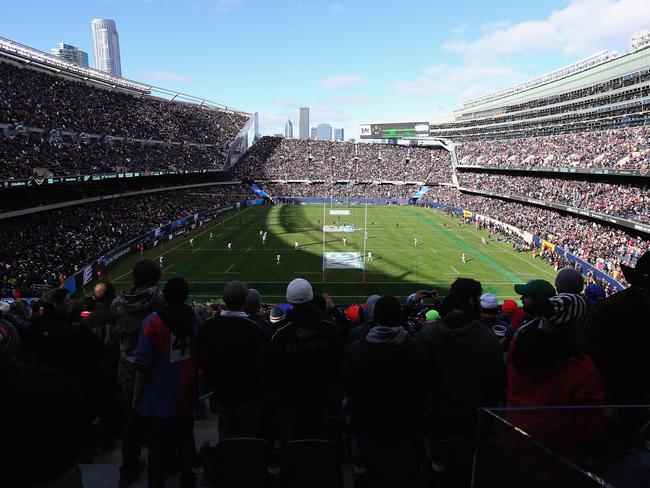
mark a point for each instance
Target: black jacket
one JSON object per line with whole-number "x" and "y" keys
{"x": 306, "y": 356}
{"x": 42, "y": 425}
{"x": 234, "y": 355}
{"x": 387, "y": 388}
{"x": 469, "y": 372}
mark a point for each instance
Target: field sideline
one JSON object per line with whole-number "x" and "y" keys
{"x": 398, "y": 266}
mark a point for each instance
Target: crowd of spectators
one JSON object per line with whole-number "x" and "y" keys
{"x": 41, "y": 249}
{"x": 399, "y": 378}
{"x": 604, "y": 247}
{"x": 327, "y": 190}
{"x": 626, "y": 201}
{"x": 627, "y": 148}
{"x": 30, "y": 153}
{"x": 37, "y": 99}
{"x": 300, "y": 159}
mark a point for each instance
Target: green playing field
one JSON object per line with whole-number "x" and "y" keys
{"x": 398, "y": 266}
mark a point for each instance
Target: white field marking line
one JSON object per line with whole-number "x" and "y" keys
{"x": 184, "y": 241}
{"x": 514, "y": 253}
{"x": 168, "y": 268}
{"x": 433, "y": 250}
{"x": 228, "y": 270}
{"x": 251, "y": 247}
{"x": 453, "y": 269}
{"x": 347, "y": 282}
{"x": 197, "y": 249}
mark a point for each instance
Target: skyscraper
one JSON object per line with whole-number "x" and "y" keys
{"x": 71, "y": 54}
{"x": 324, "y": 132}
{"x": 304, "y": 122}
{"x": 288, "y": 129}
{"x": 107, "y": 46}
{"x": 339, "y": 135}
{"x": 313, "y": 133}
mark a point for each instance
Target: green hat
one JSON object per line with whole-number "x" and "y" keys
{"x": 537, "y": 289}
{"x": 432, "y": 315}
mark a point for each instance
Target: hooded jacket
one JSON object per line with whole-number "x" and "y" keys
{"x": 469, "y": 372}
{"x": 129, "y": 311}
{"x": 384, "y": 381}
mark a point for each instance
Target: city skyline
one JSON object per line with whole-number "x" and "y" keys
{"x": 70, "y": 53}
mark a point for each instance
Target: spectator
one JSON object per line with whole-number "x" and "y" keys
{"x": 233, "y": 352}
{"x": 534, "y": 296}
{"x": 129, "y": 310}
{"x": 595, "y": 296}
{"x": 490, "y": 316}
{"x": 252, "y": 307}
{"x": 102, "y": 324}
{"x": 362, "y": 330}
{"x": 44, "y": 421}
{"x": 569, "y": 280}
{"x": 619, "y": 338}
{"x": 166, "y": 383}
{"x": 547, "y": 368}
{"x": 467, "y": 370}
{"x": 277, "y": 317}
{"x": 384, "y": 373}
{"x": 508, "y": 308}
{"x": 307, "y": 355}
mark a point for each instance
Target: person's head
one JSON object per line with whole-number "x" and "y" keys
{"x": 566, "y": 313}
{"x": 370, "y": 306}
{"x": 176, "y": 291}
{"x": 569, "y": 280}
{"x": 277, "y": 314}
{"x": 253, "y": 302}
{"x": 104, "y": 292}
{"x": 234, "y": 295}
{"x": 595, "y": 294}
{"x": 146, "y": 273}
{"x": 354, "y": 314}
{"x": 509, "y": 306}
{"x": 388, "y": 312}
{"x": 489, "y": 305}
{"x": 9, "y": 343}
{"x": 465, "y": 296}
{"x": 533, "y": 292}
{"x": 203, "y": 312}
{"x": 57, "y": 301}
{"x": 299, "y": 292}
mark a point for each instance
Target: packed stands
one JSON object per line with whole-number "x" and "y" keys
{"x": 63, "y": 240}
{"x": 37, "y": 99}
{"x": 627, "y": 148}
{"x": 340, "y": 191}
{"x": 626, "y": 201}
{"x": 294, "y": 159}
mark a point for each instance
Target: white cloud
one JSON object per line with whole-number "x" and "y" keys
{"x": 466, "y": 81}
{"x": 349, "y": 99}
{"x": 340, "y": 81}
{"x": 161, "y": 75}
{"x": 581, "y": 28}
{"x": 335, "y": 8}
{"x": 226, "y": 5}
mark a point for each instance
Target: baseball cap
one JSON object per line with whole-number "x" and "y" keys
{"x": 299, "y": 291}
{"x": 489, "y": 301}
{"x": 277, "y": 314}
{"x": 509, "y": 306}
{"x": 432, "y": 315}
{"x": 537, "y": 289}
{"x": 569, "y": 280}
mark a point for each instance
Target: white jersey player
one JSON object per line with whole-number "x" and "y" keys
{"x": 264, "y": 238}
{"x": 211, "y": 236}
{"x": 369, "y": 256}
{"x": 160, "y": 260}
{"x": 277, "y": 259}
{"x": 344, "y": 242}
{"x": 295, "y": 245}
{"x": 192, "y": 242}
{"x": 483, "y": 241}
{"x": 462, "y": 258}
{"x": 230, "y": 246}
{"x": 365, "y": 234}
{"x": 261, "y": 232}
{"x": 415, "y": 242}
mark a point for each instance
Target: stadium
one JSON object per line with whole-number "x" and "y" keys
{"x": 114, "y": 188}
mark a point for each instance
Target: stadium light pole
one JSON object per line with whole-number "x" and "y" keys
{"x": 365, "y": 230}
{"x": 323, "y": 231}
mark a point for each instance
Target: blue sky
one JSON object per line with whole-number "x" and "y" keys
{"x": 350, "y": 61}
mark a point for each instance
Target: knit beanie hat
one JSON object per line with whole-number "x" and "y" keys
{"x": 569, "y": 311}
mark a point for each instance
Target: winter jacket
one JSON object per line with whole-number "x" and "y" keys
{"x": 129, "y": 311}
{"x": 469, "y": 372}
{"x": 385, "y": 383}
